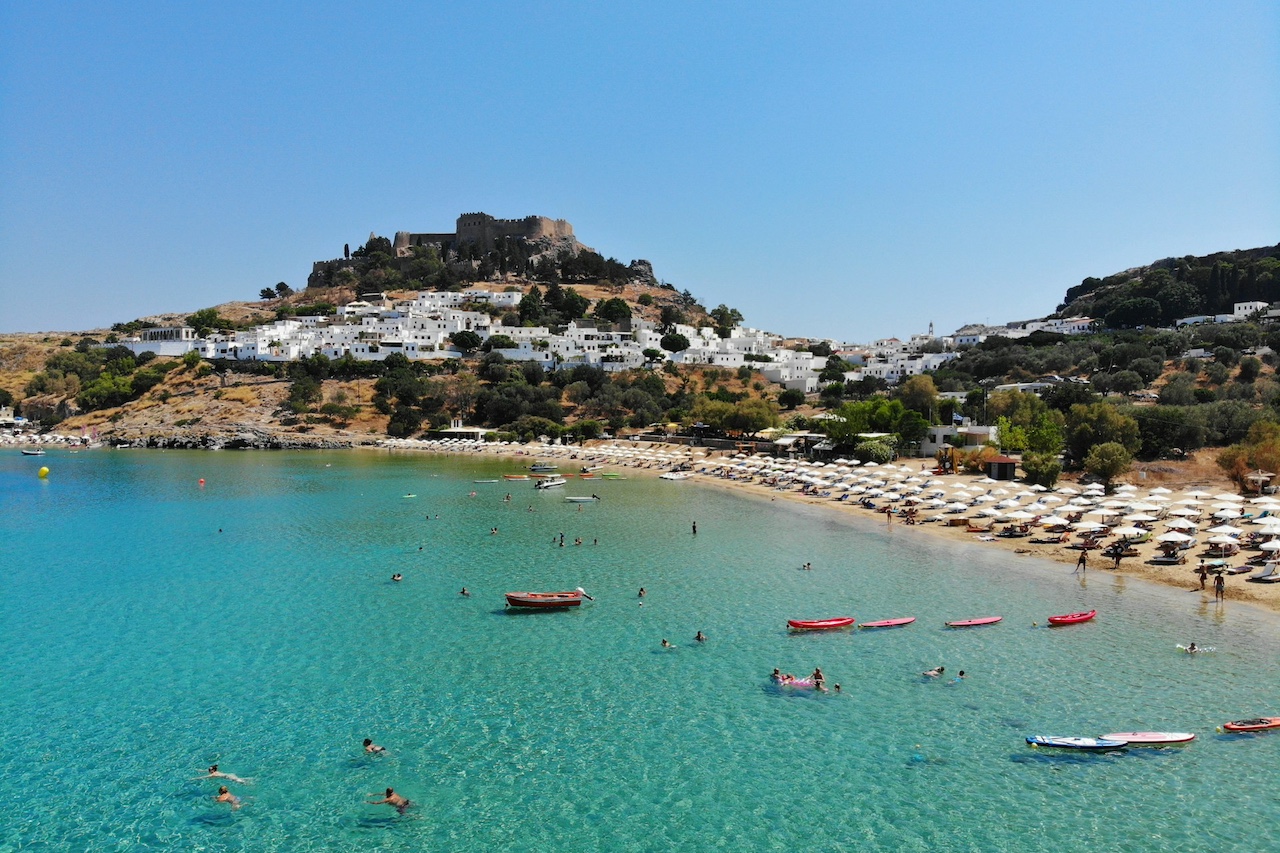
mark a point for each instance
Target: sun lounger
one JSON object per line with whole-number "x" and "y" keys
{"x": 1266, "y": 575}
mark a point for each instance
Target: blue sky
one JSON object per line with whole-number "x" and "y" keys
{"x": 847, "y": 170}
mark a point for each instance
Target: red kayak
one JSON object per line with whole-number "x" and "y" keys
{"x": 889, "y": 623}
{"x": 1258, "y": 724}
{"x": 970, "y": 623}
{"x": 1072, "y": 618}
{"x": 820, "y": 624}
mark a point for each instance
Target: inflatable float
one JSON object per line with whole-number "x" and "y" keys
{"x": 1150, "y": 738}
{"x": 1086, "y": 743}
{"x": 973, "y": 623}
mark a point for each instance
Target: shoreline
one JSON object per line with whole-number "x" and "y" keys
{"x": 653, "y": 459}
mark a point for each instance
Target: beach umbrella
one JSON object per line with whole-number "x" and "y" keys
{"x": 1227, "y": 496}
{"x": 1144, "y": 507}
{"x": 1226, "y": 513}
{"x": 1270, "y": 522}
{"x": 1127, "y": 487}
{"x": 1266, "y": 501}
{"x": 1021, "y": 515}
{"x": 1270, "y": 545}
{"x": 870, "y": 463}
{"x": 956, "y": 507}
{"x": 1129, "y": 531}
{"x": 1222, "y": 540}
{"x": 1051, "y": 499}
{"x": 1036, "y": 507}
{"x": 1039, "y": 488}
{"x": 1184, "y": 511}
{"x": 1102, "y": 512}
{"x": 1174, "y": 536}
{"x": 1067, "y": 490}
{"x": 1180, "y": 524}
{"x": 937, "y": 504}
{"x": 1161, "y": 490}
{"x": 1226, "y": 529}
{"x": 990, "y": 511}
{"x": 982, "y": 499}
{"x": 1197, "y": 493}
{"x": 1087, "y": 525}
{"x": 1114, "y": 503}
{"x": 1053, "y": 521}
{"x": 1007, "y": 503}
{"x": 1138, "y": 516}
{"x": 987, "y": 481}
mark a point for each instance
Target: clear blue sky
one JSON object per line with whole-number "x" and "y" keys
{"x": 848, "y": 170}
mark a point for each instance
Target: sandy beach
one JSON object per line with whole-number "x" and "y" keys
{"x": 1192, "y": 502}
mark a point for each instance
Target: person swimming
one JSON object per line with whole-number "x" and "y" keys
{"x": 397, "y": 577}
{"x": 225, "y": 796}
{"x": 215, "y": 773}
{"x": 372, "y": 748}
{"x": 466, "y": 593}
{"x": 666, "y": 644}
{"x": 700, "y": 637}
{"x": 934, "y": 673}
{"x": 391, "y": 798}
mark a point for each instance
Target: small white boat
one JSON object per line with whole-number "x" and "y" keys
{"x": 676, "y": 475}
{"x": 591, "y": 469}
{"x": 38, "y": 451}
{"x": 581, "y": 500}
{"x": 550, "y": 483}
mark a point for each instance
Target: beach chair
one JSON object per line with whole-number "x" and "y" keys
{"x": 1266, "y": 575}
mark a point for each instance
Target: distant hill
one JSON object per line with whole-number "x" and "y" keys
{"x": 1161, "y": 292}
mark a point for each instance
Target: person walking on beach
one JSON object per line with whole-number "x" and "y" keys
{"x": 1082, "y": 564}
{"x": 1118, "y": 555}
{"x": 1219, "y": 588}
{"x": 1203, "y": 571}
{"x": 391, "y": 798}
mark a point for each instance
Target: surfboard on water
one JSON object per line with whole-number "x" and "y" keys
{"x": 890, "y": 623}
{"x": 1151, "y": 738}
{"x": 970, "y": 623}
{"x": 1093, "y": 743}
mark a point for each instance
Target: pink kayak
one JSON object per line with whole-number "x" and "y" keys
{"x": 889, "y": 623}
{"x": 1072, "y": 618}
{"x": 970, "y": 623}
{"x": 1151, "y": 738}
{"x": 819, "y": 624}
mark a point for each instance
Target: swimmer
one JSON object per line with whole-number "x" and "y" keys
{"x": 372, "y": 748}
{"x": 777, "y": 675}
{"x": 836, "y": 688}
{"x": 666, "y": 645}
{"x": 465, "y": 593}
{"x": 700, "y": 637}
{"x": 819, "y": 679}
{"x": 397, "y": 577}
{"x": 225, "y": 796}
{"x": 642, "y": 592}
{"x": 215, "y": 773}
{"x": 934, "y": 673}
{"x": 1191, "y": 649}
{"x": 391, "y": 798}
{"x": 958, "y": 678}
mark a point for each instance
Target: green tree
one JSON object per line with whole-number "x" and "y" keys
{"x": 791, "y": 398}
{"x": 1126, "y": 382}
{"x": 266, "y": 293}
{"x": 494, "y": 342}
{"x": 674, "y": 342}
{"x": 465, "y": 340}
{"x": 283, "y": 290}
{"x": 1100, "y": 423}
{"x": 531, "y": 307}
{"x": 1041, "y": 469}
{"x": 919, "y": 393}
{"x": 724, "y": 319}
{"x": 612, "y": 310}
{"x": 1107, "y": 461}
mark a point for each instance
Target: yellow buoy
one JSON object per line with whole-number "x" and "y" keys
{"x": 43, "y": 472}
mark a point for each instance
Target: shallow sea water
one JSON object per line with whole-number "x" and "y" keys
{"x": 140, "y": 645}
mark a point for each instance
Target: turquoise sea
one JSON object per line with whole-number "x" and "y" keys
{"x": 151, "y": 626}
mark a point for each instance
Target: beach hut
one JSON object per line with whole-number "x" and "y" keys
{"x": 1001, "y": 468}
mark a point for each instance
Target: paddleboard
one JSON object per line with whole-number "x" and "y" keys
{"x": 970, "y": 623}
{"x": 889, "y": 623}
{"x": 1151, "y": 738}
{"x": 1076, "y": 742}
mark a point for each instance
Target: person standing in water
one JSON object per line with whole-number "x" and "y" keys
{"x": 391, "y": 798}
{"x": 1219, "y": 588}
{"x": 695, "y": 528}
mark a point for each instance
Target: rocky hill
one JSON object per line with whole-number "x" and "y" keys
{"x": 1162, "y": 292}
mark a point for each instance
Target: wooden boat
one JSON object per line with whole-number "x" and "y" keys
{"x": 1072, "y": 618}
{"x": 1088, "y": 743}
{"x": 1257, "y": 724}
{"x": 971, "y": 623}
{"x": 515, "y": 476}
{"x": 1151, "y": 738}
{"x": 550, "y": 483}
{"x": 820, "y": 624}
{"x": 889, "y": 623}
{"x": 546, "y": 600}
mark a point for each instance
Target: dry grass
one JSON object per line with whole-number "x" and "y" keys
{"x": 241, "y": 394}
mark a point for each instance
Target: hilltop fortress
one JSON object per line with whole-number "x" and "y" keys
{"x": 483, "y": 229}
